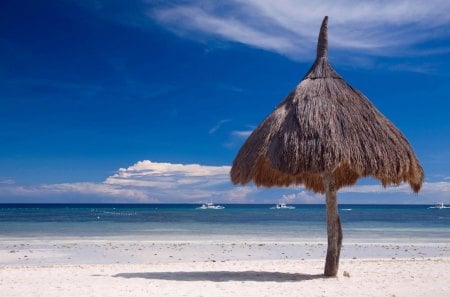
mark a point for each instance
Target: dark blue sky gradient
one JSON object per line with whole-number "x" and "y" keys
{"x": 83, "y": 92}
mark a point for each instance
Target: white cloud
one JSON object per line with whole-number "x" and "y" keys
{"x": 147, "y": 181}
{"x": 237, "y": 137}
{"x": 7, "y": 181}
{"x": 175, "y": 182}
{"x": 229, "y": 28}
{"x": 288, "y": 198}
{"x": 218, "y": 126}
{"x": 428, "y": 188}
{"x": 100, "y": 189}
{"x": 242, "y": 134}
{"x": 431, "y": 192}
{"x": 290, "y": 27}
{"x": 168, "y": 175}
{"x": 118, "y": 194}
{"x": 436, "y": 187}
{"x": 404, "y": 188}
{"x": 240, "y": 194}
{"x": 303, "y": 197}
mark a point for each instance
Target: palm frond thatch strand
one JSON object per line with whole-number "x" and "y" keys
{"x": 325, "y": 126}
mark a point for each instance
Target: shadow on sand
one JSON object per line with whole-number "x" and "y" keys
{"x": 223, "y": 276}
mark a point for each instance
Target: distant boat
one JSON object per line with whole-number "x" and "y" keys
{"x": 282, "y": 205}
{"x": 439, "y": 206}
{"x": 210, "y": 205}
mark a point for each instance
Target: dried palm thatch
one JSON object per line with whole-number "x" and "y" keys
{"x": 325, "y": 135}
{"x": 325, "y": 125}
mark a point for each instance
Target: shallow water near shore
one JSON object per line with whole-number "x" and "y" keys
{"x": 367, "y": 223}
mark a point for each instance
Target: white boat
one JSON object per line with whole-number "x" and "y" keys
{"x": 282, "y": 205}
{"x": 210, "y": 205}
{"x": 439, "y": 206}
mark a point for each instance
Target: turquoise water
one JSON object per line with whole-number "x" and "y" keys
{"x": 178, "y": 221}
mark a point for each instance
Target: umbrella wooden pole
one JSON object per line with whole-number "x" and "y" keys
{"x": 334, "y": 229}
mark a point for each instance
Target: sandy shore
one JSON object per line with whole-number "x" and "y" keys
{"x": 235, "y": 278}
{"x": 87, "y": 267}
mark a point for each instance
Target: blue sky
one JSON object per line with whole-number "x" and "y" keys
{"x": 90, "y": 87}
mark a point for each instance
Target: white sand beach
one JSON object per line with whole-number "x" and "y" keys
{"x": 234, "y": 278}
{"x": 117, "y": 267}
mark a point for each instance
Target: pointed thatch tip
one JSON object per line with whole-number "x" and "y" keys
{"x": 324, "y": 127}
{"x": 322, "y": 43}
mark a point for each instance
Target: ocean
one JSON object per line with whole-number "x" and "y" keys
{"x": 368, "y": 223}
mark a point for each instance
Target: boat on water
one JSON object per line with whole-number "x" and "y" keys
{"x": 439, "y": 206}
{"x": 210, "y": 205}
{"x": 282, "y": 205}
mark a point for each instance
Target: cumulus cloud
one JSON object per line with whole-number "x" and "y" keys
{"x": 170, "y": 182}
{"x": 178, "y": 182}
{"x": 168, "y": 175}
{"x": 290, "y": 27}
{"x": 147, "y": 182}
{"x": 303, "y": 197}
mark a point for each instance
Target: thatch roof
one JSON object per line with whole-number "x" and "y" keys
{"x": 325, "y": 126}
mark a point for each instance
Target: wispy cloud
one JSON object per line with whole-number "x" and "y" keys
{"x": 416, "y": 68}
{"x": 218, "y": 126}
{"x": 240, "y": 195}
{"x": 236, "y": 138}
{"x": 242, "y": 133}
{"x": 114, "y": 193}
{"x": 428, "y": 188}
{"x": 290, "y": 27}
{"x": 430, "y": 193}
{"x": 228, "y": 27}
{"x": 7, "y": 181}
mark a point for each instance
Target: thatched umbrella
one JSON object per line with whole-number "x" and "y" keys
{"x": 325, "y": 135}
